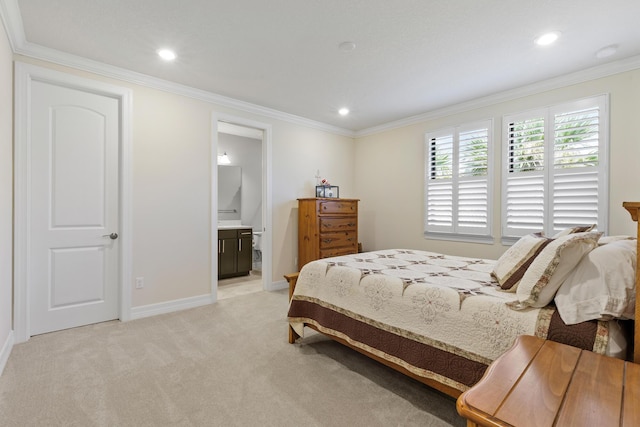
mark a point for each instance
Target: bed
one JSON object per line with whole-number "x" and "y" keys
{"x": 443, "y": 319}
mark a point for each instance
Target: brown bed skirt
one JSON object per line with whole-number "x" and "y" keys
{"x": 455, "y": 371}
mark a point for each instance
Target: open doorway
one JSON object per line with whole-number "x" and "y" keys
{"x": 241, "y": 223}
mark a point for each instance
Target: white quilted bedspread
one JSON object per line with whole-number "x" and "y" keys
{"x": 446, "y": 301}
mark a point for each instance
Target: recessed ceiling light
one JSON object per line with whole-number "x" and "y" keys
{"x": 343, "y": 111}
{"x": 166, "y": 54}
{"x": 548, "y": 38}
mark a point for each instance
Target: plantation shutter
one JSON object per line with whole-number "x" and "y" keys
{"x": 457, "y": 193}
{"x": 473, "y": 185}
{"x": 555, "y": 169}
{"x": 439, "y": 183}
{"x": 524, "y": 187}
{"x": 576, "y": 183}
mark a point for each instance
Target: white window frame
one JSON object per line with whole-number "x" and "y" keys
{"x": 456, "y": 232}
{"x": 510, "y": 234}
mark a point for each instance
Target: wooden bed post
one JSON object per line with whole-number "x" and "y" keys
{"x": 634, "y": 210}
{"x": 292, "y": 279}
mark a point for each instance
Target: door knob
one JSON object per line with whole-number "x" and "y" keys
{"x": 112, "y": 236}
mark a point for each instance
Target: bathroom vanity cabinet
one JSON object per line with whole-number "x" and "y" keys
{"x": 234, "y": 252}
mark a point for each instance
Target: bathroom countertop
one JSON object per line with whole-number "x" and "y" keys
{"x": 231, "y": 227}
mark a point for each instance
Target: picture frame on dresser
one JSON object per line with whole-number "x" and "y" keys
{"x": 327, "y": 191}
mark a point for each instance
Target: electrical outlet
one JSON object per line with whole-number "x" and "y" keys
{"x": 139, "y": 282}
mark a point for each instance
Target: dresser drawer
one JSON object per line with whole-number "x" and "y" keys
{"x": 336, "y": 240}
{"x": 329, "y": 225}
{"x": 340, "y": 207}
{"x": 326, "y": 253}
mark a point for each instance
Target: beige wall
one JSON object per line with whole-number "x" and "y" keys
{"x": 6, "y": 187}
{"x": 171, "y": 187}
{"x": 389, "y": 168}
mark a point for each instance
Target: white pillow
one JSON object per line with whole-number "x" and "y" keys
{"x": 608, "y": 239}
{"x": 602, "y": 286}
{"x": 547, "y": 272}
{"x": 572, "y": 230}
{"x": 511, "y": 266}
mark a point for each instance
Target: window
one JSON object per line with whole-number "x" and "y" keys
{"x": 555, "y": 168}
{"x": 457, "y": 183}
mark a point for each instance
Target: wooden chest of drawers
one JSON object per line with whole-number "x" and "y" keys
{"x": 326, "y": 228}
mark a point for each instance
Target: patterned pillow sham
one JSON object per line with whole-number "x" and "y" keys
{"x": 572, "y": 230}
{"x": 549, "y": 269}
{"x": 512, "y": 265}
{"x": 602, "y": 286}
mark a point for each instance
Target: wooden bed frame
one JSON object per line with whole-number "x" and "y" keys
{"x": 634, "y": 210}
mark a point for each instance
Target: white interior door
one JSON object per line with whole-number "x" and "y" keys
{"x": 73, "y": 208}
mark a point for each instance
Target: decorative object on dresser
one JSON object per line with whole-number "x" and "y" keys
{"x": 326, "y": 227}
{"x": 235, "y": 250}
{"x": 328, "y": 191}
{"x": 325, "y": 189}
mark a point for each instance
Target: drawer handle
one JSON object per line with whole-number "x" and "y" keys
{"x": 327, "y": 240}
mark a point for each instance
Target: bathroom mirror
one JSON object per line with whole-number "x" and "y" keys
{"x": 229, "y": 192}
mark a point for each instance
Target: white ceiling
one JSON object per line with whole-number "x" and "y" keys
{"x": 411, "y": 56}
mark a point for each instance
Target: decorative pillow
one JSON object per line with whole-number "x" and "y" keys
{"x": 547, "y": 272}
{"x": 572, "y": 230}
{"x": 608, "y": 239}
{"x": 511, "y": 266}
{"x": 602, "y": 286}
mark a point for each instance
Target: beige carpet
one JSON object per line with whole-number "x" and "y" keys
{"x": 227, "y": 364}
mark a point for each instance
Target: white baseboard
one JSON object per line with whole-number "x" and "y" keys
{"x": 185, "y": 303}
{"x": 276, "y": 286}
{"x": 6, "y": 351}
{"x": 169, "y": 306}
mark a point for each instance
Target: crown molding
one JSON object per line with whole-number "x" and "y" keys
{"x": 62, "y": 58}
{"x": 12, "y": 20}
{"x": 582, "y": 76}
{"x": 10, "y": 14}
